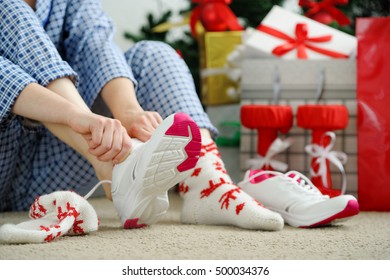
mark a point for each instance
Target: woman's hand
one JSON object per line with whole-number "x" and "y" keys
{"x": 119, "y": 95}
{"x": 107, "y": 139}
{"x": 140, "y": 124}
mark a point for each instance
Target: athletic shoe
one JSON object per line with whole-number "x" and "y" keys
{"x": 140, "y": 183}
{"x": 295, "y": 197}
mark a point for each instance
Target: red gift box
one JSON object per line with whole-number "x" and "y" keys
{"x": 373, "y": 97}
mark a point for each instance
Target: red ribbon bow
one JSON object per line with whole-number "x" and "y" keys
{"x": 325, "y": 11}
{"x": 215, "y": 15}
{"x": 301, "y": 42}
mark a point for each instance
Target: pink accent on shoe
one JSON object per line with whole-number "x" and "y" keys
{"x": 292, "y": 175}
{"x": 260, "y": 178}
{"x": 350, "y": 210}
{"x": 180, "y": 128}
{"x": 133, "y": 223}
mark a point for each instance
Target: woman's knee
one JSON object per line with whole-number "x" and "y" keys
{"x": 15, "y": 12}
{"x": 150, "y": 50}
{"x": 18, "y": 25}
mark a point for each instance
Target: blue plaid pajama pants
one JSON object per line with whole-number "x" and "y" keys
{"x": 34, "y": 162}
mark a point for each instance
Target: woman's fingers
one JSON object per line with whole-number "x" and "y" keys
{"x": 107, "y": 142}
{"x": 126, "y": 148}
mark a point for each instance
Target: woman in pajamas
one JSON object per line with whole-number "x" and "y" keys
{"x": 57, "y": 58}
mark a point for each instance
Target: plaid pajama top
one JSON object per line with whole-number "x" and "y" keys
{"x": 71, "y": 38}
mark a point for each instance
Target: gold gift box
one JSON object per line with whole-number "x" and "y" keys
{"x": 215, "y": 47}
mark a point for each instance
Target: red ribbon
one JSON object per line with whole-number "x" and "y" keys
{"x": 328, "y": 7}
{"x": 301, "y": 42}
{"x": 215, "y": 15}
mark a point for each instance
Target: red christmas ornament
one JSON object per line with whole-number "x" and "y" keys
{"x": 325, "y": 11}
{"x": 215, "y": 15}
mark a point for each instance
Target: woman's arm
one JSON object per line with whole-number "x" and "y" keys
{"x": 40, "y": 104}
{"x": 107, "y": 139}
{"x": 90, "y": 41}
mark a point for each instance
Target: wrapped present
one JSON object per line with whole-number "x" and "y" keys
{"x": 373, "y": 97}
{"x": 297, "y": 36}
{"x": 220, "y": 81}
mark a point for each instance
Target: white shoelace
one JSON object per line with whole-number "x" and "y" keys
{"x": 95, "y": 188}
{"x": 303, "y": 182}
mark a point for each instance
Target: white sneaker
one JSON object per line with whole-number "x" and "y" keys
{"x": 299, "y": 202}
{"x": 140, "y": 183}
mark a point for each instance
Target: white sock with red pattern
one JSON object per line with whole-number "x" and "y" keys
{"x": 210, "y": 197}
{"x": 52, "y": 216}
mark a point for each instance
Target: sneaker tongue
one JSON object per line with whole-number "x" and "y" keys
{"x": 259, "y": 178}
{"x": 295, "y": 176}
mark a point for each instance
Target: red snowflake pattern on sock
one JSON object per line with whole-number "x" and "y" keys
{"x": 76, "y": 227}
{"x": 196, "y": 172}
{"x": 209, "y": 148}
{"x": 51, "y": 236}
{"x": 239, "y": 207}
{"x": 212, "y": 187}
{"x": 70, "y": 211}
{"x": 37, "y": 210}
{"x": 227, "y": 196}
{"x": 183, "y": 188}
{"x": 219, "y": 167}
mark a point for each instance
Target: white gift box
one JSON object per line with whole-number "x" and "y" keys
{"x": 261, "y": 44}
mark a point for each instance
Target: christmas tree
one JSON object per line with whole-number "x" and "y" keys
{"x": 250, "y": 14}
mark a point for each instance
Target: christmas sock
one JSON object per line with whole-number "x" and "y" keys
{"x": 53, "y": 216}
{"x": 210, "y": 197}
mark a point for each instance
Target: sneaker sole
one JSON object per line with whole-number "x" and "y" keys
{"x": 173, "y": 151}
{"x": 351, "y": 209}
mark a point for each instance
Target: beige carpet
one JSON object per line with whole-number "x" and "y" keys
{"x": 366, "y": 236}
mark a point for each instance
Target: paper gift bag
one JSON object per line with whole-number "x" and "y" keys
{"x": 298, "y": 83}
{"x": 373, "y": 97}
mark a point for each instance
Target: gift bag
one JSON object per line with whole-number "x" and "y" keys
{"x": 298, "y": 84}
{"x": 217, "y": 85}
{"x": 373, "y": 98}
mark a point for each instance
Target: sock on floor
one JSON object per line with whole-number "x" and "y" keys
{"x": 52, "y": 216}
{"x": 210, "y": 197}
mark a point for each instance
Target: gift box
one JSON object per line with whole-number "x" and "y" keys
{"x": 298, "y": 82}
{"x": 373, "y": 97}
{"x": 290, "y": 36}
{"x": 217, "y": 86}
